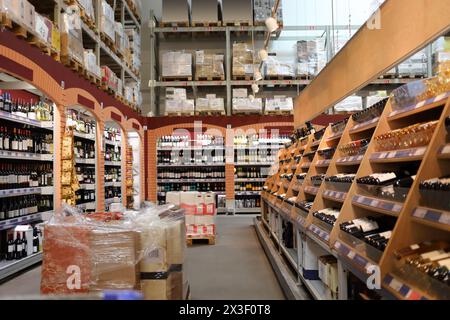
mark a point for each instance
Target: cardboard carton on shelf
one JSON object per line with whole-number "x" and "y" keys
{"x": 176, "y": 64}
{"x": 245, "y": 61}
{"x": 72, "y": 37}
{"x": 209, "y": 66}
{"x": 237, "y": 12}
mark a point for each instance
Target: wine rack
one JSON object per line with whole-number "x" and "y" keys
{"x": 26, "y": 173}
{"x": 412, "y": 215}
{"x": 113, "y": 155}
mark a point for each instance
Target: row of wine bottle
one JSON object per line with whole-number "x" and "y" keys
{"x": 328, "y": 215}
{"x": 14, "y": 139}
{"x": 201, "y": 187}
{"x": 15, "y": 207}
{"x": 180, "y": 173}
{"x": 20, "y": 247}
{"x": 30, "y": 175}
{"x": 34, "y": 110}
{"x": 250, "y": 186}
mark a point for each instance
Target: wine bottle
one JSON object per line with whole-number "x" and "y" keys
{"x": 11, "y": 248}
{"x": 24, "y": 246}
{"x": 18, "y": 248}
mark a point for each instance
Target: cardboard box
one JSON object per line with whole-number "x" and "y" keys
{"x": 175, "y": 11}
{"x": 310, "y": 260}
{"x": 175, "y": 235}
{"x": 205, "y": 220}
{"x": 210, "y": 203}
{"x": 173, "y": 198}
{"x": 237, "y": 11}
{"x": 204, "y": 11}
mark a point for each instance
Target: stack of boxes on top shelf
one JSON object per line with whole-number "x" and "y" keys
{"x": 245, "y": 62}
{"x": 177, "y": 102}
{"x": 200, "y": 210}
{"x": 68, "y": 44}
{"x": 415, "y": 66}
{"x": 40, "y": 30}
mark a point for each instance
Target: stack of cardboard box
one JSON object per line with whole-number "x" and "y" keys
{"x": 328, "y": 273}
{"x": 311, "y": 57}
{"x": 177, "y": 101}
{"x": 441, "y": 55}
{"x": 114, "y": 251}
{"x": 244, "y": 61}
{"x": 262, "y": 9}
{"x": 176, "y": 64}
{"x": 107, "y": 23}
{"x": 276, "y": 68}
{"x": 416, "y": 65}
{"x": 242, "y": 103}
{"x": 72, "y": 37}
{"x": 209, "y": 66}
{"x": 200, "y": 209}
{"x": 210, "y": 104}
{"x": 279, "y": 103}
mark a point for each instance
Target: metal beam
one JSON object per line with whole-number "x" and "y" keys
{"x": 405, "y": 27}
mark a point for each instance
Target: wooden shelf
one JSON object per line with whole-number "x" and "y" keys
{"x": 311, "y": 190}
{"x": 334, "y": 195}
{"x": 323, "y": 163}
{"x": 435, "y": 218}
{"x": 378, "y": 205}
{"x": 406, "y": 155}
{"x": 444, "y": 152}
{"x": 361, "y": 127}
{"x": 402, "y": 290}
{"x": 419, "y": 107}
{"x": 335, "y": 136}
{"x": 349, "y": 161}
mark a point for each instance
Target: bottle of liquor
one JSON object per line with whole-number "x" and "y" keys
{"x": 11, "y": 248}
{"x": 24, "y": 246}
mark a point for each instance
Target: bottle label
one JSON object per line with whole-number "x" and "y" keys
{"x": 10, "y": 248}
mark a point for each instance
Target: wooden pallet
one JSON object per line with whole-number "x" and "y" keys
{"x": 134, "y": 9}
{"x": 180, "y": 114}
{"x": 207, "y": 24}
{"x": 177, "y": 78}
{"x": 279, "y": 113}
{"x": 87, "y": 20}
{"x": 109, "y": 43}
{"x": 17, "y": 28}
{"x": 303, "y": 77}
{"x": 218, "y": 78}
{"x": 280, "y": 77}
{"x": 388, "y": 76}
{"x": 237, "y": 23}
{"x": 210, "y": 113}
{"x": 175, "y": 24}
{"x": 210, "y": 240}
{"x": 243, "y": 78}
{"x": 73, "y": 64}
{"x": 92, "y": 78}
{"x": 107, "y": 89}
{"x": 246, "y": 112}
{"x": 411, "y": 76}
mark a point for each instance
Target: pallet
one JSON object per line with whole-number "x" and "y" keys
{"x": 207, "y": 24}
{"x": 411, "y": 76}
{"x": 73, "y": 64}
{"x": 218, "y": 78}
{"x": 180, "y": 114}
{"x": 237, "y": 23}
{"x": 279, "y": 113}
{"x": 107, "y": 89}
{"x": 177, "y": 78}
{"x": 304, "y": 77}
{"x": 243, "y": 78}
{"x": 109, "y": 43}
{"x": 92, "y": 78}
{"x": 246, "y": 112}
{"x": 210, "y": 240}
{"x": 134, "y": 9}
{"x": 17, "y": 28}
{"x": 280, "y": 77}
{"x": 45, "y": 48}
{"x": 388, "y": 76}
{"x": 175, "y": 24}
{"x": 211, "y": 113}
{"x": 87, "y": 20}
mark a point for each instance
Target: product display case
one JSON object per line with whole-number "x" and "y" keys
{"x": 114, "y": 159}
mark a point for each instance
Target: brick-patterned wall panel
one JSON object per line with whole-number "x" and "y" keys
{"x": 100, "y": 178}
{"x": 59, "y": 128}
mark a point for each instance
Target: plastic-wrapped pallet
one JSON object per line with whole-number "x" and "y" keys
{"x": 210, "y": 104}
{"x": 209, "y": 66}
{"x": 21, "y": 12}
{"x": 244, "y": 62}
{"x": 110, "y": 79}
{"x": 108, "y": 23}
{"x": 72, "y": 37}
{"x": 279, "y": 104}
{"x": 247, "y": 105}
{"x": 262, "y": 9}
{"x": 43, "y": 28}
{"x": 415, "y": 65}
{"x": 200, "y": 211}
{"x": 311, "y": 57}
{"x": 103, "y": 251}
{"x": 176, "y": 64}
{"x": 180, "y": 106}
{"x": 90, "y": 63}
{"x": 276, "y": 68}
{"x": 88, "y": 8}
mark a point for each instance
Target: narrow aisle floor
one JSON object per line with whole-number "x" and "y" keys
{"x": 235, "y": 268}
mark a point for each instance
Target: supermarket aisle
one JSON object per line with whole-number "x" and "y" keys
{"x": 235, "y": 268}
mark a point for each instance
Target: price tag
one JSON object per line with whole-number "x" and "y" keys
{"x": 351, "y": 255}
{"x": 395, "y": 284}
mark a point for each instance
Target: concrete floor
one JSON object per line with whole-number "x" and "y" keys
{"x": 235, "y": 268}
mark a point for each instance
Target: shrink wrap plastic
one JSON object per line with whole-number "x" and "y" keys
{"x": 135, "y": 250}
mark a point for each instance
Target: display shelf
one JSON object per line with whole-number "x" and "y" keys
{"x": 406, "y": 155}
{"x": 86, "y": 136}
{"x": 320, "y": 233}
{"x": 249, "y": 179}
{"x": 368, "y": 125}
{"x": 311, "y": 190}
{"x": 323, "y": 163}
{"x": 378, "y": 205}
{"x": 354, "y": 257}
{"x": 117, "y": 184}
{"x": 252, "y": 164}
{"x": 48, "y": 125}
{"x": 25, "y": 156}
{"x": 419, "y": 107}
{"x": 432, "y": 217}
{"x": 190, "y": 180}
{"x": 108, "y": 201}
{"x": 87, "y": 186}
{"x": 19, "y": 192}
{"x": 334, "y": 195}
{"x": 113, "y": 143}
{"x": 86, "y": 206}
{"x": 190, "y": 165}
{"x": 247, "y": 210}
{"x": 85, "y": 161}
{"x": 247, "y": 193}
{"x": 402, "y": 290}
{"x": 9, "y": 268}
{"x": 113, "y": 163}
{"x": 349, "y": 161}
{"x": 11, "y": 223}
